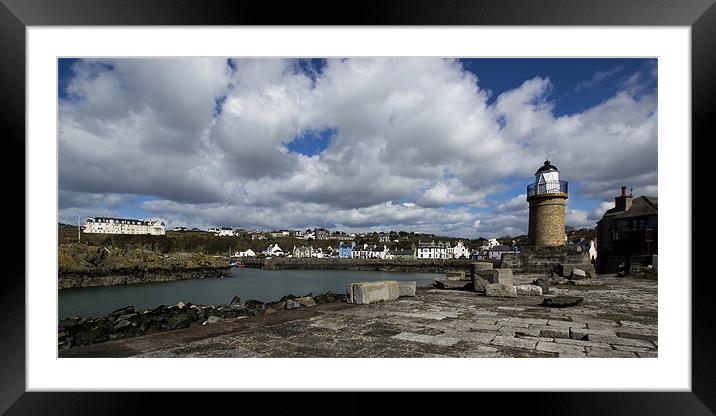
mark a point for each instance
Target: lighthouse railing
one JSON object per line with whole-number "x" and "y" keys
{"x": 547, "y": 187}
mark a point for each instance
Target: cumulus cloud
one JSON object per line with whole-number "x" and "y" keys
{"x": 416, "y": 143}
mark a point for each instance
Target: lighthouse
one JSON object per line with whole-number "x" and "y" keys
{"x": 547, "y": 196}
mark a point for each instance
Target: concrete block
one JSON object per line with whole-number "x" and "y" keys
{"x": 371, "y": 292}
{"x": 529, "y": 290}
{"x": 407, "y": 288}
{"x": 500, "y": 290}
{"x": 577, "y": 274}
{"x": 455, "y": 275}
{"x": 479, "y": 284}
{"x": 497, "y": 275}
{"x": 480, "y": 265}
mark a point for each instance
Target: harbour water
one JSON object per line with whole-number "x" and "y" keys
{"x": 259, "y": 284}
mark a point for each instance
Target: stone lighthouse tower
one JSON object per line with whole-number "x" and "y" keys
{"x": 547, "y": 196}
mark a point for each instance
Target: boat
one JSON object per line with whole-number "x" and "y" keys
{"x": 237, "y": 264}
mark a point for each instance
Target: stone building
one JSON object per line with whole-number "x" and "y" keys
{"x": 547, "y": 196}
{"x": 627, "y": 233}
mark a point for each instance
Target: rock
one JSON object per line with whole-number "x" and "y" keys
{"x": 320, "y": 299}
{"x": 543, "y": 283}
{"x": 306, "y": 301}
{"x": 371, "y": 292}
{"x": 407, "y": 289}
{"x": 330, "y": 297}
{"x": 280, "y": 305}
{"x": 122, "y": 324}
{"x": 500, "y": 290}
{"x": 556, "y": 281}
{"x": 291, "y": 304}
{"x": 124, "y": 311}
{"x": 179, "y": 319}
{"x": 287, "y": 297}
{"x": 562, "y": 301}
{"x": 97, "y": 331}
{"x": 214, "y": 319}
{"x": 503, "y": 276}
{"x": 181, "y": 305}
{"x": 128, "y": 317}
{"x": 445, "y": 283}
{"x": 68, "y": 324}
{"x": 269, "y": 311}
{"x": 528, "y": 290}
{"x": 236, "y": 303}
{"x": 577, "y": 274}
{"x": 254, "y": 305}
{"x": 587, "y": 268}
{"x": 557, "y": 269}
{"x": 455, "y": 275}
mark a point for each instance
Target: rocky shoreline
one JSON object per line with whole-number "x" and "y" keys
{"x": 86, "y": 266}
{"x": 128, "y": 322}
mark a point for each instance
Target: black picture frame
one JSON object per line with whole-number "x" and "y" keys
{"x": 16, "y": 15}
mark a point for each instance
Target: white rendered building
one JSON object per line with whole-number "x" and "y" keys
{"x": 273, "y": 250}
{"x": 432, "y": 250}
{"x": 226, "y": 232}
{"x": 459, "y": 251}
{"x": 108, "y": 225}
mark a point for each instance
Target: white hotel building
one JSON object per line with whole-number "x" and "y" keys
{"x": 107, "y": 225}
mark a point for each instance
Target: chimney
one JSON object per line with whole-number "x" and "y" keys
{"x": 623, "y": 202}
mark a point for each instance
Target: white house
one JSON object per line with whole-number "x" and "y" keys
{"x": 247, "y": 253}
{"x": 490, "y": 243}
{"x": 226, "y": 232}
{"x": 273, "y": 250}
{"x": 459, "y": 251}
{"x": 108, "y": 225}
{"x": 366, "y": 252}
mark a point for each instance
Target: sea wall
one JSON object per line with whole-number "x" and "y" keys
{"x": 394, "y": 265}
{"x": 84, "y": 266}
{"x": 532, "y": 259}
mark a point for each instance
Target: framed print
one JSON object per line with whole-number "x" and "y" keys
{"x": 406, "y": 197}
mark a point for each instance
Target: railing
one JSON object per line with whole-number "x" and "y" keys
{"x": 549, "y": 187}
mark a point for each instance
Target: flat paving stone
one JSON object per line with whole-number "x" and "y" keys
{"x": 426, "y": 339}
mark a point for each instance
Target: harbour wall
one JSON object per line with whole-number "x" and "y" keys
{"x": 383, "y": 265}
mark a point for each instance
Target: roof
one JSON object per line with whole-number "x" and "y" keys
{"x": 501, "y": 247}
{"x": 640, "y": 207}
{"x": 125, "y": 220}
{"x": 547, "y": 167}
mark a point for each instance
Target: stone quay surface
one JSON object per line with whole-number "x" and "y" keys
{"x": 617, "y": 319}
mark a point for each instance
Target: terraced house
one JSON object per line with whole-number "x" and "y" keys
{"x": 109, "y": 225}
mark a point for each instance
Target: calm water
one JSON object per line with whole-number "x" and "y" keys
{"x": 263, "y": 285}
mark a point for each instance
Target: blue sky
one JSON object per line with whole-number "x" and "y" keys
{"x": 434, "y": 145}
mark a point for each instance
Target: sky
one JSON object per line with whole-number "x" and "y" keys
{"x": 433, "y": 145}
